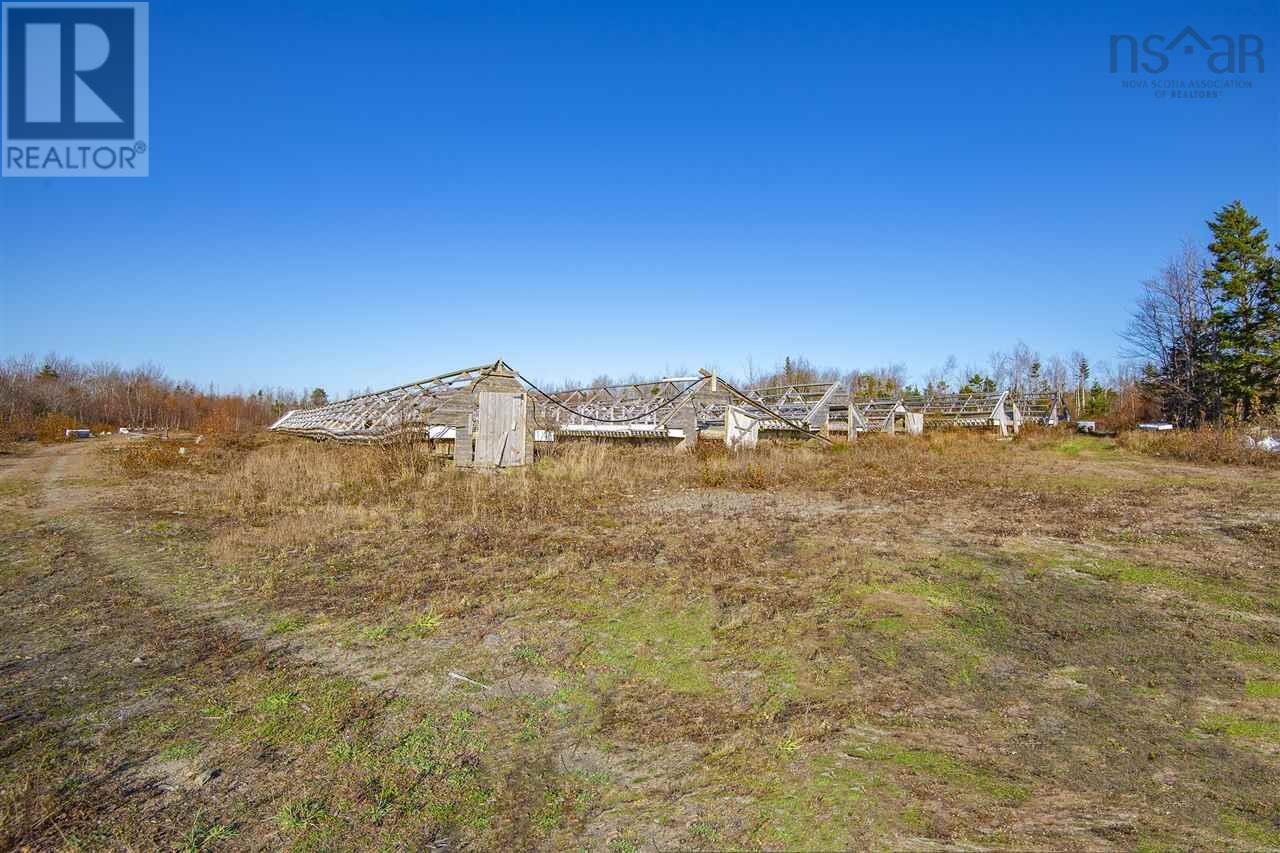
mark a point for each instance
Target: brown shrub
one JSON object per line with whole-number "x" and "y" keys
{"x": 1205, "y": 445}
{"x": 142, "y": 457}
{"x": 53, "y": 427}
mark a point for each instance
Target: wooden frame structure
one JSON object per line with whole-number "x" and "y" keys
{"x": 1047, "y": 409}
{"x": 490, "y": 416}
{"x": 680, "y": 408}
{"x": 483, "y": 410}
{"x": 776, "y": 409}
{"x": 636, "y": 410}
{"x": 879, "y": 414}
{"x": 978, "y": 409}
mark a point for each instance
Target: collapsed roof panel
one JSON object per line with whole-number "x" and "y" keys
{"x": 442, "y": 400}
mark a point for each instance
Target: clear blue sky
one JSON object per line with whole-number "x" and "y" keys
{"x": 355, "y": 194}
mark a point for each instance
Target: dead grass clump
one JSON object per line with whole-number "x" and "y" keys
{"x": 146, "y": 456}
{"x": 644, "y": 713}
{"x": 874, "y": 465}
{"x": 938, "y": 463}
{"x": 284, "y": 478}
{"x": 1205, "y": 445}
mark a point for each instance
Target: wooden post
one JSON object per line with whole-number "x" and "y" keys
{"x": 462, "y": 451}
{"x": 686, "y": 418}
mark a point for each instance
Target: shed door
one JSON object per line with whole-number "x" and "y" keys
{"x": 501, "y": 441}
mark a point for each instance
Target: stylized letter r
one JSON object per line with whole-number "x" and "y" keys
{"x": 44, "y": 69}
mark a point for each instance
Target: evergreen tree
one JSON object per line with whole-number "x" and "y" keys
{"x": 1245, "y": 319}
{"x": 1082, "y": 377}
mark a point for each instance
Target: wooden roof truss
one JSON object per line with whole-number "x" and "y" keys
{"x": 380, "y": 414}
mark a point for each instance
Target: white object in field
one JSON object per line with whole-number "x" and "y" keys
{"x": 1087, "y": 426}
{"x": 182, "y": 451}
{"x": 914, "y": 422}
{"x": 741, "y": 430}
{"x": 1269, "y": 443}
{"x": 1160, "y": 426}
{"x": 79, "y": 433}
{"x": 124, "y": 430}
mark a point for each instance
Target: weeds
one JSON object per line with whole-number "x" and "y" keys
{"x": 1237, "y": 727}
{"x": 1262, "y": 689}
{"x": 205, "y": 834}
{"x": 1203, "y": 446}
{"x": 425, "y": 624}
{"x": 301, "y": 814}
{"x": 284, "y": 625}
{"x": 180, "y": 751}
{"x": 1251, "y": 830}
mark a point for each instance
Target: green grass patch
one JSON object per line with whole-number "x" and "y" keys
{"x": 1265, "y": 654}
{"x": 205, "y": 834}
{"x": 529, "y": 656}
{"x": 180, "y": 751}
{"x": 815, "y": 806}
{"x": 1202, "y": 589}
{"x": 413, "y": 771}
{"x": 707, "y": 833}
{"x": 425, "y": 624}
{"x": 301, "y": 815}
{"x": 293, "y": 712}
{"x": 943, "y": 767}
{"x": 377, "y": 633}
{"x": 966, "y": 625}
{"x": 568, "y": 798}
{"x": 1073, "y": 446}
{"x": 658, "y": 644}
{"x": 1251, "y": 831}
{"x": 285, "y": 625}
{"x": 1238, "y": 727}
{"x": 1262, "y": 688}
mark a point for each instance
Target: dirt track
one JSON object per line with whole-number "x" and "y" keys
{"x": 96, "y": 638}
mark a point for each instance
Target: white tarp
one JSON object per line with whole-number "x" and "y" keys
{"x": 741, "y": 430}
{"x": 1271, "y": 444}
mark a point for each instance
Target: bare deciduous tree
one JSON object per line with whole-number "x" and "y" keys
{"x": 1170, "y": 335}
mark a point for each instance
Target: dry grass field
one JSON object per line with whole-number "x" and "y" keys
{"x": 1057, "y": 642}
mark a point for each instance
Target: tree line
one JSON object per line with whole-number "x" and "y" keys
{"x": 39, "y": 398}
{"x": 1207, "y": 328}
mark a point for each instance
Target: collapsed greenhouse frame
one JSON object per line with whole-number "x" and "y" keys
{"x": 494, "y": 416}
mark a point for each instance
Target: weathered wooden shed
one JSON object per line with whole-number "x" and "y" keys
{"x": 484, "y": 410}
